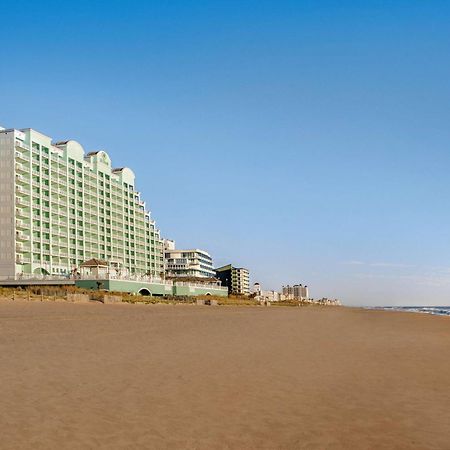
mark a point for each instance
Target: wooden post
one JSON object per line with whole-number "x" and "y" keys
{"x": 14, "y": 295}
{"x": 42, "y": 297}
{"x": 28, "y": 295}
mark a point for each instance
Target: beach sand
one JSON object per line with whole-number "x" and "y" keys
{"x": 85, "y": 376}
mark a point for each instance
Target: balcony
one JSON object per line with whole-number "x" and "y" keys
{"x": 21, "y": 247}
{"x": 20, "y": 179}
{"x": 21, "y": 144}
{"x": 60, "y": 222}
{"x": 20, "y": 224}
{"x": 22, "y": 190}
{"x": 22, "y": 168}
{"x": 21, "y": 213}
{"x": 21, "y": 236}
{"x": 59, "y": 232}
{"x": 62, "y": 182}
{"x": 22, "y": 157}
{"x": 22, "y": 259}
{"x": 22, "y": 202}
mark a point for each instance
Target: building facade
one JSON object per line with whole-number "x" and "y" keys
{"x": 268, "y": 296}
{"x": 193, "y": 263}
{"x": 60, "y": 207}
{"x": 297, "y": 292}
{"x": 236, "y": 279}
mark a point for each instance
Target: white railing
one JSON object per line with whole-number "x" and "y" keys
{"x": 23, "y": 190}
{"x": 201, "y": 285}
{"x": 22, "y": 145}
{"x": 139, "y": 278}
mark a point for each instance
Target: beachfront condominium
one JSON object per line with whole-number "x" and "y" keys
{"x": 235, "y": 278}
{"x": 60, "y": 207}
{"x": 297, "y": 292}
{"x": 193, "y": 263}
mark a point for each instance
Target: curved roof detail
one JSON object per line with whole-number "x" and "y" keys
{"x": 99, "y": 156}
{"x": 126, "y": 173}
{"x": 74, "y": 149}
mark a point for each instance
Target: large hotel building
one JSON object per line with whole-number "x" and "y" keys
{"x": 60, "y": 207}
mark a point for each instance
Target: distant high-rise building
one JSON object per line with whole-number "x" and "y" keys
{"x": 235, "y": 278}
{"x": 296, "y": 292}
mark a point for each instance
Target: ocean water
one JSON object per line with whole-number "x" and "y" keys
{"x": 435, "y": 310}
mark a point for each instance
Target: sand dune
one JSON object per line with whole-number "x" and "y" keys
{"x": 128, "y": 377}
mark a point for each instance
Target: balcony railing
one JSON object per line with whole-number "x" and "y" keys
{"x": 22, "y": 202}
{"x": 21, "y": 247}
{"x": 23, "y": 190}
{"x": 22, "y": 156}
{"x": 109, "y": 276}
{"x": 20, "y": 236}
{"x": 21, "y": 224}
{"x": 22, "y": 180}
{"x": 21, "y": 213}
{"x": 22, "y": 145}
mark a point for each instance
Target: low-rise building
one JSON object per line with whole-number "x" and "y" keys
{"x": 265, "y": 296}
{"x": 236, "y": 279}
{"x": 193, "y": 263}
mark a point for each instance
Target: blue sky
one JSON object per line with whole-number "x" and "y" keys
{"x": 307, "y": 141}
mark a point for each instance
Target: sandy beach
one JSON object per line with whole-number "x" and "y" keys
{"x": 84, "y": 376}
